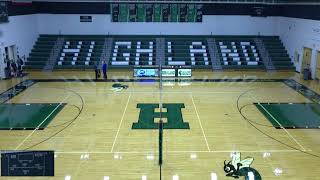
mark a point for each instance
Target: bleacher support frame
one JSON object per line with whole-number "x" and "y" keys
{"x": 264, "y": 55}
{"x": 214, "y": 55}
{"x": 52, "y": 60}
{"x": 106, "y": 52}
{"x": 160, "y": 51}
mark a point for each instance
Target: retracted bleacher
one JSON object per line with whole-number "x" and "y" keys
{"x": 278, "y": 53}
{"x": 80, "y": 52}
{"x": 41, "y": 52}
{"x": 233, "y": 52}
{"x": 191, "y": 51}
{"x": 132, "y": 52}
{"x": 239, "y": 53}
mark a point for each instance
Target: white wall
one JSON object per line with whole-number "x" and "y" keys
{"x": 20, "y": 31}
{"x": 297, "y": 34}
{"x": 218, "y": 25}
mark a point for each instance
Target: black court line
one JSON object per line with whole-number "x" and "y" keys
{"x": 157, "y": 80}
{"x": 303, "y": 90}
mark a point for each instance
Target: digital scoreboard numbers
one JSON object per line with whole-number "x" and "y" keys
{"x": 27, "y": 163}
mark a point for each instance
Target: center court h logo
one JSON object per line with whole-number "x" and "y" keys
{"x": 173, "y": 116}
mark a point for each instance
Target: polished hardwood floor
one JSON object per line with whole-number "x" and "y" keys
{"x": 100, "y": 142}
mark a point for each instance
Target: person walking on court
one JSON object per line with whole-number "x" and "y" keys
{"x": 104, "y": 69}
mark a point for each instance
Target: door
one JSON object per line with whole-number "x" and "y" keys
{"x": 12, "y": 53}
{"x": 318, "y": 65}
{"x": 2, "y": 65}
{"x": 306, "y": 60}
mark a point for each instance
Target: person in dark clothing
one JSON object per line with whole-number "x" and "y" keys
{"x": 8, "y": 62}
{"x": 104, "y": 70}
{"x": 14, "y": 68}
{"x": 8, "y": 67}
{"x": 97, "y": 71}
{"x": 20, "y": 63}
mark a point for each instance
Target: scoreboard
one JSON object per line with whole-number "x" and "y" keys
{"x": 3, "y": 12}
{"x": 156, "y": 12}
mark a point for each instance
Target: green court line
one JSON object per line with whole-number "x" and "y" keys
{"x": 28, "y": 116}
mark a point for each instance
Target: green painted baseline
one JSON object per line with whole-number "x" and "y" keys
{"x": 291, "y": 115}
{"x": 28, "y": 116}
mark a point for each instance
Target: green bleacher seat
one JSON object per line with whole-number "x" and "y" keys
{"x": 130, "y": 51}
{"x": 41, "y": 52}
{"x": 234, "y": 52}
{"x": 239, "y": 52}
{"x": 80, "y": 52}
{"x": 278, "y": 53}
{"x": 191, "y": 51}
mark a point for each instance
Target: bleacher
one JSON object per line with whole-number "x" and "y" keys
{"x": 80, "y": 52}
{"x": 41, "y": 52}
{"x": 278, "y": 53}
{"x": 238, "y": 52}
{"x": 191, "y": 51}
{"x": 83, "y": 51}
{"x": 131, "y": 51}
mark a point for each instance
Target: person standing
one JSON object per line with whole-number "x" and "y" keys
{"x": 8, "y": 67}
{"x": 14, "y": 68}
{"x": 104, "y": 70}
{"x": 96, "y": 70}
{"x": 19, "y": 63}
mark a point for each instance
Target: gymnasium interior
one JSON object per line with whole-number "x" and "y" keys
{"x": 159, "y": 90}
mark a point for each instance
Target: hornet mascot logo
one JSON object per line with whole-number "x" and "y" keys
{"x": 119, "y": 87}
{"x": 237, "y": 167}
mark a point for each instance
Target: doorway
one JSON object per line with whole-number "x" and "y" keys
{"x": 306, "y": 59}
{"x": 11, "y": 52}
{"x": 318, "y": 66}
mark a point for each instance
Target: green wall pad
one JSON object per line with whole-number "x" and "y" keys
{"x": 27, "y": 116}
{"x": 291, "y": 115}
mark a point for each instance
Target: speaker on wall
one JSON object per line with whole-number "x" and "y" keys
{"x": 259, "y": 11}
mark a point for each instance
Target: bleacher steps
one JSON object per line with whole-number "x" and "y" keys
{"x": 214, "y": 54}
{"x": 264, "y": 55}
{"x": 160, "y": 51}
{"x": 52, "y": 60}
{"x": 106, "y": 52}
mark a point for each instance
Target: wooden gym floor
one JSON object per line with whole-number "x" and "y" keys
{"x": 101, "y": 143}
